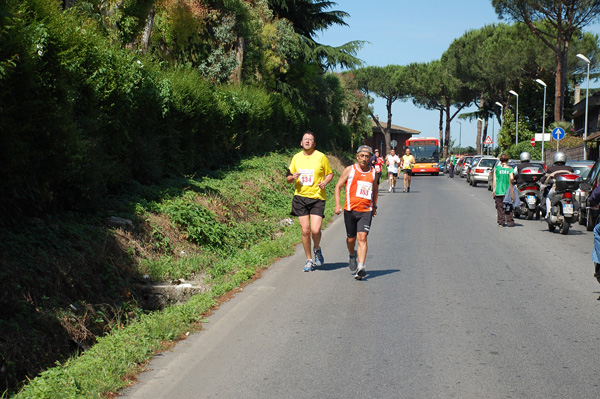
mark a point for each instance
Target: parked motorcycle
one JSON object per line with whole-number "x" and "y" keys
{"x": 564, "y": 207}
{"x": 529, "y": 192}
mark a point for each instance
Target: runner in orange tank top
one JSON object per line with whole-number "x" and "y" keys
{"x": 360, "y": 207}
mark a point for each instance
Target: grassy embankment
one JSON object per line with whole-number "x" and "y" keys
{"x": 216, "y": 231}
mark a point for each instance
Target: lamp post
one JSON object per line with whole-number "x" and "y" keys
{"x": 514, "y": 93}
{"x": 587, "y": 93}
{"x": 540, "y": 81}
{"x": 481, "y": 121}
{"x": 459, "y": 137}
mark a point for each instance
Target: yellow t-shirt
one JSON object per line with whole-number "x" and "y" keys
{"x": 407, "y": 161}
{"x": 313, "y": 168}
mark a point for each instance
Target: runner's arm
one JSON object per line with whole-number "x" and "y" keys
{"x": 375, "y": 196}
{"x": 338, "y": 189}
{"x": 291, "y": 177}
{"x": 326, "y": 181}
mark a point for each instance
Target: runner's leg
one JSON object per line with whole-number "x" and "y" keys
{"x": 315, "y": 227}
{"x": 305, "y": 226}
{"x": 351, "y": 243}
{"x": 362, "y": 247}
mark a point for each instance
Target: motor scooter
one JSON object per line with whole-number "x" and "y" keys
{"x": 564, "y": 207}
{"x": 529, "y": 192}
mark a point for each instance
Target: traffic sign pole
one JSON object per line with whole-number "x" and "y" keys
{"x": 558, "y": 133}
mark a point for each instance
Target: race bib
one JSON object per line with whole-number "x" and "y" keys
{"x": 377, "y": 168}
{"x": 364, "y": 189}
{"x": 307, "y": 177}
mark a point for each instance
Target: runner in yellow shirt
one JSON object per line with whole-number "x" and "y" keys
{"x": 408, "y": 161}
{"x": 310, "y": 172}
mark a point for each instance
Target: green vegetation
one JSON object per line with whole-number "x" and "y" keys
{"x": 147, "y": 113}
{"x": 214, "y": 232}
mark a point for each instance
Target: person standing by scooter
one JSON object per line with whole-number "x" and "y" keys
{"x": 525, "y": 158}
{"x": 503, "y": 178}
{"x": 559, "y": 167}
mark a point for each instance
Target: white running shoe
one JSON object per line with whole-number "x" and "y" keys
{"x": 361, "y": 272}
{"x": 390, "y": 189}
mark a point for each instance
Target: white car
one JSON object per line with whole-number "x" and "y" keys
{"x": 481, "y": 170}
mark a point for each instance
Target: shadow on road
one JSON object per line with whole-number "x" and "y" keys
{"x": 379, "y": 273}
{"x": 332, "y": 266}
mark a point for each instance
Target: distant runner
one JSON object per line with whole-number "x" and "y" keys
{"x": 311, "y": 172}
{"x": 392, "y": 161}
{"x": 359, "y": 208}
{"x": 408, "y": 161}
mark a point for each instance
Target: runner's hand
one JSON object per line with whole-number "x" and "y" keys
{"x": 322, "y": 185}
{"x": 338, "y": 210}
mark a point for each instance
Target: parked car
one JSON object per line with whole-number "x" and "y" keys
{"x": 511, "y": 164}
{"x": 464, "y": 166}
{"x": 474, "y": 161}
{"x": 458, "y": 166}
{"x": 480, "y": 172}
{"x": 587, "y": 217}
{"x": 443, "y": 167}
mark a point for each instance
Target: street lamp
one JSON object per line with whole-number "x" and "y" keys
{"x": 459, "y": 137}
{"x": 514, "y": 93}
{"x": 540, "y": 81}
{"x": 587, "y": 93}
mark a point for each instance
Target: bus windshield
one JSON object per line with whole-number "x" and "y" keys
{"x": 425, "y": 153}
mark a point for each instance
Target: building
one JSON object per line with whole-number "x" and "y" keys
{"x": 398, "y": 133}
{"x": 593, "y": 131}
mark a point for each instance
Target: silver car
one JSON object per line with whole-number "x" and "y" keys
{"x": 480, "y": 171}
{"x": 465, "y": 167}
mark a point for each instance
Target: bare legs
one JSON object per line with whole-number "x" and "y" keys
{"x": 311, "y": 226}
{"x": 362, "y": 246}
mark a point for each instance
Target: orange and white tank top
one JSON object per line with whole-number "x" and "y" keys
{"x": 359, "y": 190}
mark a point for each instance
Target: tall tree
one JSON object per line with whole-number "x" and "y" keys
{"x": 309, "y": 17}
{"x": 433, "y": 87}
{"x": 554, "y": 22}
{"x": 387, "y": 82}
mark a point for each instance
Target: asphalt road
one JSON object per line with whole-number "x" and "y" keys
{"x": 453, "y": 306}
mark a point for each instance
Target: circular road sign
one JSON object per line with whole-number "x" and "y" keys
{"x": 558, "y": 133}
{"x": 393, "y": 143}
{"x": 532, "y": 141}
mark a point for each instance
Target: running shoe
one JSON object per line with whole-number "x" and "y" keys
{"x": 319, "y": 260}
{"x": 394, "y": 190}
{"x": 308, "y": 266}
{"x": 390, "y": 189}
{"x": 352, "y": 262}
{"x": 360, "y": 273}
{"x": 408, "y": 189}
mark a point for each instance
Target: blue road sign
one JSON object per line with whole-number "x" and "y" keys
{"x": 558, "y": 133}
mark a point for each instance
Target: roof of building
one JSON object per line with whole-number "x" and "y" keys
{"x": 395, "y": 128}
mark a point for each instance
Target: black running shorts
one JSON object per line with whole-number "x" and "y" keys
{"x": 357, "y": 222}
{"x": 302, "y": 206}
{"x": 407, "y": 171}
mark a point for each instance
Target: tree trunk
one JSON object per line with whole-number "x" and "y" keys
{"x": 388, "y": 131}
{"x": 447, "y": 132}
{"x": 441, "y": 128}
{"x": 485, "y": 133}
{"x": 236, "y": 75}
{"x": 384, "y": 131}
{"x": 561, "y": 76}
{"x": 479, "y": 126}
{"x": 148, "y": 30}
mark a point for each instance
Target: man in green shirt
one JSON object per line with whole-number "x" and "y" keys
{"x": 503, "y": 178}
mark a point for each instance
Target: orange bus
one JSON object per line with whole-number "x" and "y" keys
{"x": 426, "y": 151}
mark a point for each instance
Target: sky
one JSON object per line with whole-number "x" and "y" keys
{"x": 405, "y": 31}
